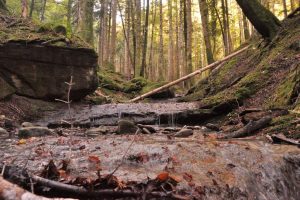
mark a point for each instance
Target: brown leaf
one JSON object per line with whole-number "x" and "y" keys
{"x": 94, "y": 159}
{"x": 188, "y": 177}
{"x": 163, "y": 176}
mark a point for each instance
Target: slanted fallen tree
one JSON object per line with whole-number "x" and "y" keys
{"x": 200, "y": 71}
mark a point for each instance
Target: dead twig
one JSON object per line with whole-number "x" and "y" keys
{"x": 75, "y": 191}
{"x": 54, "y": 40}
{"x": 68, "y": 101}
{"x": 124, "y": 155}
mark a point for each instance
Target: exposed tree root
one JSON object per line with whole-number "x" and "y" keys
{"x": 250, "y": 128}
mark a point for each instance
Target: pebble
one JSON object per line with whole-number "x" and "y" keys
{"x": 3, "y": 131}
{"x": 184, "y": 133}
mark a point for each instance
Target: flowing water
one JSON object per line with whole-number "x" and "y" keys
{"x": 221, "y": 169}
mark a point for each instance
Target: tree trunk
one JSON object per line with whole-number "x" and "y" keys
{"x": 189, "y": 41}
{"x": 230, "y": 45}
{"x": 134, "y": 34}
{"x": 143, "y": 67}
{"x": 262, "y": 19}
{"x": 285, "y": 12}
{"x": 85, "y": 21}
{"x": 3, "y": 5}
{"x": 151, "y": 56}
{"x": 31, "y": 8}
{"x": 69, "y": 16}
{"x": 113, "y": 32}
{"x": 138, "y": 25}
{"x": 24, "y": 9}
{"x": 42, "y": 18}
{"x": 161, "y": 43}
{"x": 246, "y": 28}
{"x": 205, "y": 30}
{"x": 171, "y": 42}
{"x": 225, "y": 28}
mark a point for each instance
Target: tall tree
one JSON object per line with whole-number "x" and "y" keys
{"x": 171, "y": 43}
{"x": 24, "y": 6}
{"x": 139, "y": 42}
{"x": 262, "y": 19}
{"x": 161, "y": 42}
{"x": 31, "y": 8}
{"x": 205, "y": 28}
{"x": 246, "y": 28}
{"x": 143, "y": 67}
{"x": 225, "y": 28}
{"x": 69, "y": 16}
{"x": 113, "y": 31}
{"x": 3, "y": 5}
{"x": 189, "y": 33}
{"x": 285, "y": 12}
{"x": 85, "y": 21}
{"x": 43, "y": 10}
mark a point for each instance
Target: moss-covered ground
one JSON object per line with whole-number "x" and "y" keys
{"x": 267, "y": 76}
{"x": 15, "y": 29}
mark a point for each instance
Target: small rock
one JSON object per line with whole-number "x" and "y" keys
{"x": 93, "y": 132}
{"x": 184, "y": 133}
{"x": 27, "y": 132}
{"x": 3, "y": 131}
{"x": 27, "y": 124}
{"x": 213, "y": 127}
{"x": 126, "y": 126}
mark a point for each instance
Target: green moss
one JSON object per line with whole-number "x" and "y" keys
{"x": 284, "y": 91}
{"x": 225, "y": 71}
{"x": 285, "y": 125}
{"x": 26, "y": 31}
{"x": 151, "y": 86}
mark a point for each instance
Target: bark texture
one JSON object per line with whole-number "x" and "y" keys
{"x": 262, "y": 19}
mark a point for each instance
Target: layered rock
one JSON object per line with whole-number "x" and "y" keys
{"x": 36, "y": 62}
{"x": 41, "y": 72}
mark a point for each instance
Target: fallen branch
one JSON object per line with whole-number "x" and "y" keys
{"x": 250, "y": 128}
{"x": 54, "y": 40}
{"x": 189, "y": 76}
{"x": 9, "y": 191}
{"x": 280, "y": 138}
{"x": 57, "y": 189}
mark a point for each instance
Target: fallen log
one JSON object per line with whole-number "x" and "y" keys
{"x": 9, "y": 191}
{"x": 189, "y": 75}
{"x": 250, "y": 128}
{"x": 280, "y": 138}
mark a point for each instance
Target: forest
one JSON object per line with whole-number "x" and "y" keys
{"x": 149, "y": 99}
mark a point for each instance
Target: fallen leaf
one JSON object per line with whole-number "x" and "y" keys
{"x": 94, "y": 159}
{"x": 188, "y": 177}
{"x": 163, "y": 176}
{"x": 20, "y": 142}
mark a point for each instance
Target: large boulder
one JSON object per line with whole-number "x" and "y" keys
{"x": 41, "y": 72}
{"x": 37, "y": 62}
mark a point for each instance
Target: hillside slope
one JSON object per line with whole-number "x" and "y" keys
{"x": 267, "y": 77}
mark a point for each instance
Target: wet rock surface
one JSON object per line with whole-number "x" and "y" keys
{"x": 140, "y": 113}
{"x": 236, "y": 169}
